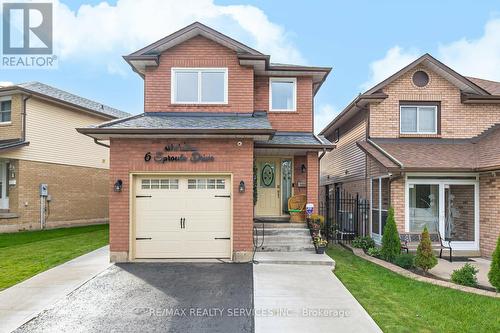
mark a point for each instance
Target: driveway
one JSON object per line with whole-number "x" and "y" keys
{"x": 156, "y": 297}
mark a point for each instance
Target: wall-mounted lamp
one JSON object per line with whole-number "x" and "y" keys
{"x": 242, "y": 187}
{"x": 303, "y": 168}
{"x": 118, "y": 185}
{"x": 12, "y": 171}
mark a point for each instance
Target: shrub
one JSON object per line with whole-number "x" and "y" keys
{"x": 405, "y": 260}
{"x": 466, "y": 276}
{"x": 374, "y": 252}
{"x": 494, "y": 273}
{"x": 363, "y": 243}
{"x": 425, "y": 258}
{"x": 391, "y": 245}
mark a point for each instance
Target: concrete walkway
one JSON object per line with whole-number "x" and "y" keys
{"x": 299, "y": 293}
{"x": 23, "y": 301}
{"x": 444, "y": 268}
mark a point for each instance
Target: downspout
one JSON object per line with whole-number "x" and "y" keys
{"x": 100, "y": 143}
{"x": 23, "y": 116}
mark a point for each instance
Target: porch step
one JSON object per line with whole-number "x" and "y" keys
{"x": 284, "y": 232}
{"x": 268, "y": 225}
{"x": 283, "y": 237}
{"x": 286, "y": 248}
{"x": 294, "y": 258}
{"x": 278, "y": 219}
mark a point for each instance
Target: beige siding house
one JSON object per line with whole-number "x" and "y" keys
{"x": 50, "y": 175}
{"x": 424, "y": 141}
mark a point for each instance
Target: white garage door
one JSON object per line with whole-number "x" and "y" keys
{"x": 182, "y": 217}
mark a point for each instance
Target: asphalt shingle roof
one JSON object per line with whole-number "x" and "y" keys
{"x": 64, "y": 96}
{"x": 295, "y": 138}
{"x": 192, "y": 120}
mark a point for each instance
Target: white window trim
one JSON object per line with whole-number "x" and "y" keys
{"x": 283, "y": 79}
{"x": 457, "y": 245}
{"x": 199, "y": 70}
{"x": 7, "y": 98}
{"x": 418, "y": 131}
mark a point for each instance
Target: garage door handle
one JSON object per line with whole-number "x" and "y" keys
{"x": 142, "y": 238}
{"x": 222, "y": 238}
{"x": 143, "y": 196}
{"x": 222, "y": 196}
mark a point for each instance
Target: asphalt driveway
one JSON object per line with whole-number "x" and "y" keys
{"x": 156, "y": 297}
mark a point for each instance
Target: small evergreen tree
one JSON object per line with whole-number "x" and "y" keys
{"x": 391, "y": 245}
{"x": 494, "y": 273}
{"x": 425, "y": 258}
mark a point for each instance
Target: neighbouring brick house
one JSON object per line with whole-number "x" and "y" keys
{"x": 217, "y": 113}
{"x": 39, "y": 145}
{"x": 427, "y": 142}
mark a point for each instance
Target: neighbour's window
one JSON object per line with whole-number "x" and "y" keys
{"x": 206, "y": 184}
{"x": 199, "y": 85}
{"x": 163, "y": 183}
{"x": 5, "y": 110}
{"x": 418, "y": 119}
{"x": 282, "y": 94}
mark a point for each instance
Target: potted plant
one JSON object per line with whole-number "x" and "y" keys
{"x": 320, "y": 244}
{"x": 316, "y": 223}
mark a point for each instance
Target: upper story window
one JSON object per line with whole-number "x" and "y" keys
{"x": 418, "y": 119}
{"x": 199, "y": 85}
{"x": 282, "y": 94}
{"x": 5, "y": 109}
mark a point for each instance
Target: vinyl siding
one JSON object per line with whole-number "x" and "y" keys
{"x": 50, "y": 130}
{"x": 346, "y": 155}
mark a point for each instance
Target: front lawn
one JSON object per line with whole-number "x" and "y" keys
{"x": 400, "y": 304}
{"x": 25, "y": 254}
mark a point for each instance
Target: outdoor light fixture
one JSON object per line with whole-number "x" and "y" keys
{"x": 303, "y": 168}
{"x": 118, "y": 185}
{"x": 242, "y": 187}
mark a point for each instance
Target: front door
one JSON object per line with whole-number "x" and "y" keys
{"x": 268, "y": 186}
{"x": 4, "y": 186}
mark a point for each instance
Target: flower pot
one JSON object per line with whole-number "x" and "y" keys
{"x": 320, "y": 249}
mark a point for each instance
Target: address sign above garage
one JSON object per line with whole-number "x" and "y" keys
{"x": 178, "y": 153}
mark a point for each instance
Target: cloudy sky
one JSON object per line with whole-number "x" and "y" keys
{"x": 364, "y": 41}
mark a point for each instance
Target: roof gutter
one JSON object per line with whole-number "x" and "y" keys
{"x": 386, "y": 154}
{"x": 23, "y": 115}
{"x": 100, "y": 143}
{"x": 14, "y": 145}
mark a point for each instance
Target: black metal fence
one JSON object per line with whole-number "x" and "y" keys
{"x": 346, "y": 215}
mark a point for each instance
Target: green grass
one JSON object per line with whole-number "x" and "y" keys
{"x": 400, "y": 304}
{"x": 25, "y": 254}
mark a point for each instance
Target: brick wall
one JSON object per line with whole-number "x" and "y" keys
{"x": 79, "y": 195}
{"x": 296, "y": 121}
{"x": 313, "y": 179}
{"x": 489, "y": 207}
{"x": 14, "y": 129}
{"x": 298, "y": 176}
{"x": 199, "y": 52}
{"x": 397, "y": 196}
{"x": 127, "y": 156}
{"x": 457, "y": 120}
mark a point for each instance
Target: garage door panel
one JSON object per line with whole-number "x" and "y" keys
{"x": 206, "y": 210}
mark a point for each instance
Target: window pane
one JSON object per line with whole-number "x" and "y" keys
{"x": 459, "y": 204}
{"x": 5, "y": 105}
{"x": 186, "y": 89}
{"x": 220, "y": 184}
{"x": 282, "y": 95}
{"x": 427, "y": 119}
{"x": 408, "y": 119}
{"x": 191, "y": 184}
{"x": 211, "y": 184}
{"x": 174, "y": 184}
{"x": 212, "y": 87}
{"x": 145, "y": 184}
{"x": 424, "y": 207}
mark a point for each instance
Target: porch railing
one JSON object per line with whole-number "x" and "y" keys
{"x": 346, "y": 215}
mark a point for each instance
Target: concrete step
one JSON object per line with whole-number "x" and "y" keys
{"x": 294, "y": 258}
{"x": 284, "y": 232}
{"x": 286, "y": 248}
{"x": 287, "y": 239}
{"x": 280, "y": 225}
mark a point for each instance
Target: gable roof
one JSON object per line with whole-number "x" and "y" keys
{"x": 472, "y": 89}
{"x": 45, "y": 91}
{"x": 150, "y": 55}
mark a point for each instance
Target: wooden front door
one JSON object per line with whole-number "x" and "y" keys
{"x": 268, "y": 186}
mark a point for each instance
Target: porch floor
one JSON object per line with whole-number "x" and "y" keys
{"x": 444, "y": 268}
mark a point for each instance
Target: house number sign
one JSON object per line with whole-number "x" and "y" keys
{"x": 178, "y": 153}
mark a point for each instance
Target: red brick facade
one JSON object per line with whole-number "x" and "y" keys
{"x": 247, "y": 92}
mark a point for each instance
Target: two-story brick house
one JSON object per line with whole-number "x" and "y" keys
{"x": 217, "y": 113}
{"x": 425, "y": 141}
{"x": 39, "y": 147}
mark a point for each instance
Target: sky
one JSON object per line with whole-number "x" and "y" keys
{"x": 364, "y": 41}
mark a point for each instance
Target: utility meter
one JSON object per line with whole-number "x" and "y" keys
{"x": 44, "y": 190}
